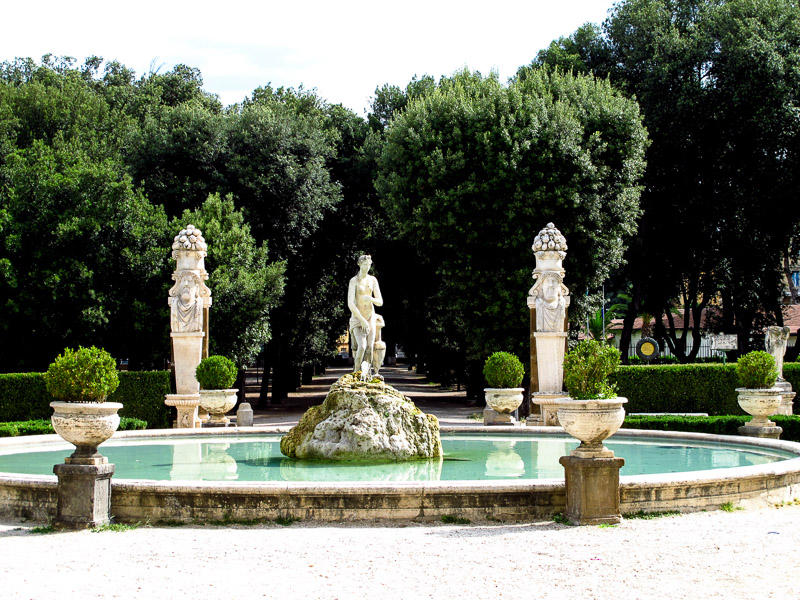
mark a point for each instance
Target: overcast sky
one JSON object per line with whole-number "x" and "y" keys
{"x": 345, "y": 49}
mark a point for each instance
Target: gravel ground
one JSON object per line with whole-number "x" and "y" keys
{"x": 741, "y": 554}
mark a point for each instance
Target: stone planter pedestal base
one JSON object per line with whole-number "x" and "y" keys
{"x": 84, "y": 495}
{"x": 773, "y": 432}
{"x": 492, "y": 417}
{"x": 592, "y": 489}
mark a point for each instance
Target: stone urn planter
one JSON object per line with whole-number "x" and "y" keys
{"x": 86, "y": 425}
{"x": 216, "y": 374}
{"x": 592, "y": 421}
{"x": 80, "y": 380}
{"x": 761, "y": 404}
{"x": 503, "y": 372}
{"x": 757, "y": 374}
{"x": 217, "y": 403}
{"x": 503, "y": 400}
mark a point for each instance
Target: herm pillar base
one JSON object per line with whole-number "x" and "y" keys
{"x": 84, "y": 495}
{"x": 592, "y": 489}
{"x": 187, "y": 405}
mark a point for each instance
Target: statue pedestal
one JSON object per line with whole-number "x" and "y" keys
{"x": 187, "y": 350}
{"x": 592, "y": 489}
{"x": 550, "y": 348}
{"x": 187, "y": 405}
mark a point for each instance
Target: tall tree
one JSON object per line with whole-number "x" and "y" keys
{"x": 245, "y": 285}
{"x": 717, "y": 81}
{"x": 471, "y": 171}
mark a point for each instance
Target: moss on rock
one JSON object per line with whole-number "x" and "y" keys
{"x": 364, "y": 420}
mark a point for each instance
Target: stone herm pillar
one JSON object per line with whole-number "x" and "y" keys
{"x": 775, "y": 344}
{"x": 189, "y": 300}
{"x": 592, "y": 489}
{"x": 548, "y": 300}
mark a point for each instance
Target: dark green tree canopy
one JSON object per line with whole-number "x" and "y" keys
{"x": 717, "y": 81}
{"x": 472, "y": 170}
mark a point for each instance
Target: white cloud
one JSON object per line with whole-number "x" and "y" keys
{"x": 345, "y": 49}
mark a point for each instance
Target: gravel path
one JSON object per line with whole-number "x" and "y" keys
{"x": 741, "y": 554}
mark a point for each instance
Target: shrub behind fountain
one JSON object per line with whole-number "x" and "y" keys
{"x": 362, "y": 420}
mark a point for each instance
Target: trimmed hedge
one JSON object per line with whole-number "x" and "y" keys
{"x": 142, "y": 395}
{"x": 721, "y": 425}
{"x": 43, "y": 427}
{"x": 24, "y": 397}
{"x": 707, "y": 388}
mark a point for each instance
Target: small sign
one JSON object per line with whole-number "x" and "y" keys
{"x": 724, "y": 342}
{"x": 647, "y": 349}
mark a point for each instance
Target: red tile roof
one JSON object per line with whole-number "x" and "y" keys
{"x": 791, "y": 318}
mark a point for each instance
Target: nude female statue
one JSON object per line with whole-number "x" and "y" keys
{"x": 363, "y": 295}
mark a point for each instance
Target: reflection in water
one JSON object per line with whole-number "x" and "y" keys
{"x": 426, "y": 469}
{"x": 467, "y": 457}
{"x": 217, "y": 464}
{"x": 504, "y": 462}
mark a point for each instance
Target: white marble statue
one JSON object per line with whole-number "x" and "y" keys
{"x": 186, "y": 311}
{"x": 775, "y": 344}
{"x": 363, "y": 295}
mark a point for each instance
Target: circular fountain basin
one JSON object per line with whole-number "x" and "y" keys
{"x": 510, "y": 473}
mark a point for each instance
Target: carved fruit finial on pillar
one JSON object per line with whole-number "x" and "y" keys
{"x": 189, "y": 300}
{"x": 548, "y": 300}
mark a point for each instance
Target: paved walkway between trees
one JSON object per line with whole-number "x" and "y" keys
{"x": 449, "y": 406}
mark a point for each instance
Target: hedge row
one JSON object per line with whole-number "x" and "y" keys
{"x": 705, "y": 388}
{"x": 709, "y": 388}
{"x": 24, "y": 397}
{"x": 42, "y": 427}
{"x": 721, "y": 425}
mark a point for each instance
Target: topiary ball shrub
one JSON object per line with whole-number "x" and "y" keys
{"x": 82, "y": 375}
{"x": 216, "y": 373}
{"x": 756, "y": 370}
{"x": 587, "y": 368}
{"x": 503, "y": 370}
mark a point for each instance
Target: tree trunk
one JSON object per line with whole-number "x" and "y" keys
{"x": 788, "y": 273}
{"x": 627, "y": 323}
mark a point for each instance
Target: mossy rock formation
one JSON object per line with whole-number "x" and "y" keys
{"x": 364, "y": 420}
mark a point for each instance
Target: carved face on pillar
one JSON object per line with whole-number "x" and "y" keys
{"x": 550, "y": 304}
{"x": 188, "y": 291}
{"x": 550, "y": 289}
{"x": 187, "y": 307}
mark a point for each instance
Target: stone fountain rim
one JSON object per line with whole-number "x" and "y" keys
{"x": 34, "y": 497}
{"x": 781, "y": 467}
